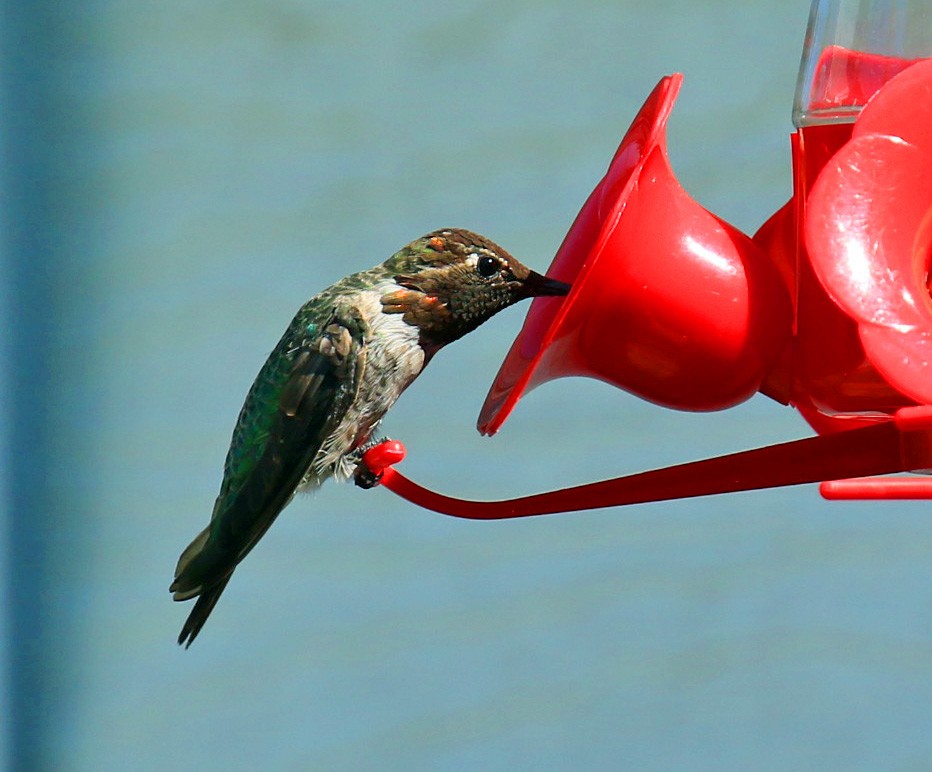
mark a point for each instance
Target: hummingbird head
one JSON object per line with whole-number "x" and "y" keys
{"x": 451, "y": 281}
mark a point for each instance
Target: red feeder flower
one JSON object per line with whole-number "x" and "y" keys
{"x": 869, "y": 230}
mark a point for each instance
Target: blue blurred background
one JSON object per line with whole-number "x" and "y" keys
{"x": 178, "y": 178}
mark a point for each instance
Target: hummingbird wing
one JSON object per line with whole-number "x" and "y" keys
{"x": 306, "y": 394}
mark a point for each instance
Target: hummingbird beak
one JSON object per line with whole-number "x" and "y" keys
{"x": 535, "y": 285}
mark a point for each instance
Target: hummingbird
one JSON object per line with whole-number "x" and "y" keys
{"x": 344, "y": 360}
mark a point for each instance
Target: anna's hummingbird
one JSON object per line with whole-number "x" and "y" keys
{"x": 345, "y": 358}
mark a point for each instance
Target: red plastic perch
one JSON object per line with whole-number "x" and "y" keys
{"x": 900, "y": 444}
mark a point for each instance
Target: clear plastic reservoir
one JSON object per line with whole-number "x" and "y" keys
{"x": 852, "y": 48}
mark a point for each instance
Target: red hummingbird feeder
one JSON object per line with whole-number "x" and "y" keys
{"x": 827, "y": 308}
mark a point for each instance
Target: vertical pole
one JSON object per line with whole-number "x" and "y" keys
{"x": 26, "y": 245}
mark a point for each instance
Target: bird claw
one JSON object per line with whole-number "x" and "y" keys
{"x": 376, "y": 457}
{"x": 365, "y": 478}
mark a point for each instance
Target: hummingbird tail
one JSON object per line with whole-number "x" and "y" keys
{"x": 197, "y": 576}
{"x": 185, "y": 586}
{"x": 198, "y": 616}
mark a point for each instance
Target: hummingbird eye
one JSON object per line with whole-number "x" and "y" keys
{"x": 487, "y": 267}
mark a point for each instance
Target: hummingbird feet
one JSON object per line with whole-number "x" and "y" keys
{"x": 365, "y": 478}
{"x": 375, "y": 457}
